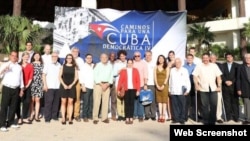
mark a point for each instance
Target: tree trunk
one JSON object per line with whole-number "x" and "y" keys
{"x": 198, "y": 48}
{"x": 17, "y": 7}
{"x": 243, "y": 49}
{"x": 242, "y": 12}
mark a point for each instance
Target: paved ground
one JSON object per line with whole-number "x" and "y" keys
{"x": 79, "y": 131}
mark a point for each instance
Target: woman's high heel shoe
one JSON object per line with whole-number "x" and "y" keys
{"x": 37, "y": 120}
{"x": 63, "y": 122}
{"x": 163, "y": 120}
{"x": 31, "y": 118}
{"x": 160, "y": 118}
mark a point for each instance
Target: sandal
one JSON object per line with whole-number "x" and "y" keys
{"x": 163, "y": 119}
{"x": 160, "y": 118}
{"x": 27, "y": 122}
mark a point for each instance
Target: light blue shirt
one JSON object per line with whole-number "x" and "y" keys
{"x": 190, "y": 68}
{"x": 103, "y": 73}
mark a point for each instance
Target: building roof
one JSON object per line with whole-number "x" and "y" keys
{"x": 43, "y": 10}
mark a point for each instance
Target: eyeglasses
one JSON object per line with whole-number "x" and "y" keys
{"x": 69, "y": 58}
{"x": 54, "y": 56}
{"x": 137, "y": 56}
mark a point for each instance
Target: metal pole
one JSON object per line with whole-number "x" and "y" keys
{"x": 196, "y": 107}
{"x": 223, "y": 107}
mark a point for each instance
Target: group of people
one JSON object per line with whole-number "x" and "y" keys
{"x": 79, "y": 90}
{"x": 216, "y": 88}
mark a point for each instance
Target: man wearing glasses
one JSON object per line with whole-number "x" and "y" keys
{"x": 80, "y": 62}
{"x": 143, "y": 71}
{"x": 51, "y": 85}
{"x": 103, "y": 78}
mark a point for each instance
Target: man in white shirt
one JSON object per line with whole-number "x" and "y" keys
{"x": 150, "y": 109}
{"x": 179, "y": 87}
{"x": 51, "y": 86}
{"x": 79, "y": 61}
{"x": 205, "y": 75}
{"x": 12, "y": 75}
{"x": 46, "y": 57}
{"x": 86, "y": 79}
{"x": 197, "y": 60}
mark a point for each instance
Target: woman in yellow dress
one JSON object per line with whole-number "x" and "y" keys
{"x": 161, "y": 74}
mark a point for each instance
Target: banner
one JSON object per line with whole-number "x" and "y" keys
{"x": 97, "y": 31}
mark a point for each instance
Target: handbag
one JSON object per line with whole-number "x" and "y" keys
{"x": 146, "y": 97}
{"x": 122, "y": 92}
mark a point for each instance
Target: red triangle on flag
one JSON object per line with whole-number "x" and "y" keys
{"x": 98, "y": 29}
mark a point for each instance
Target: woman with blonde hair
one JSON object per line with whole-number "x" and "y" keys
{"x": 28, "y": 71}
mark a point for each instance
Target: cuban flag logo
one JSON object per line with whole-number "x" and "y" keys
{"x": 99, "y": 28}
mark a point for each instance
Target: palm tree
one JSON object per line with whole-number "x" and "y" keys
{"x": 201, "y": 34}
{"x": 15, "y": 31}
{"x": 245, "y": 39}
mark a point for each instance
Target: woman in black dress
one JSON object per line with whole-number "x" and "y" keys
{"x": 68, "y": 77}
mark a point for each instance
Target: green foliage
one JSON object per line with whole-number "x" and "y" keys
{"x": 221, "y": 50}
{"x": 246, "y": 32}
{"x": 15, "y": 31}
{"x": 217, "y": 50}
{"x": 201, "y": 34}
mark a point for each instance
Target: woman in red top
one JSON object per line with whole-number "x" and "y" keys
{"x": 129, "y": 80}
{"x": 26, "y": 97}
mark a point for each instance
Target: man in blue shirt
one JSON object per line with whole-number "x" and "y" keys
{"x": 190, "y": 99}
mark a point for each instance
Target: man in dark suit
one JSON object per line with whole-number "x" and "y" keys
{"x": 230, "y": 96}
{"x": 243, "y": 86}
